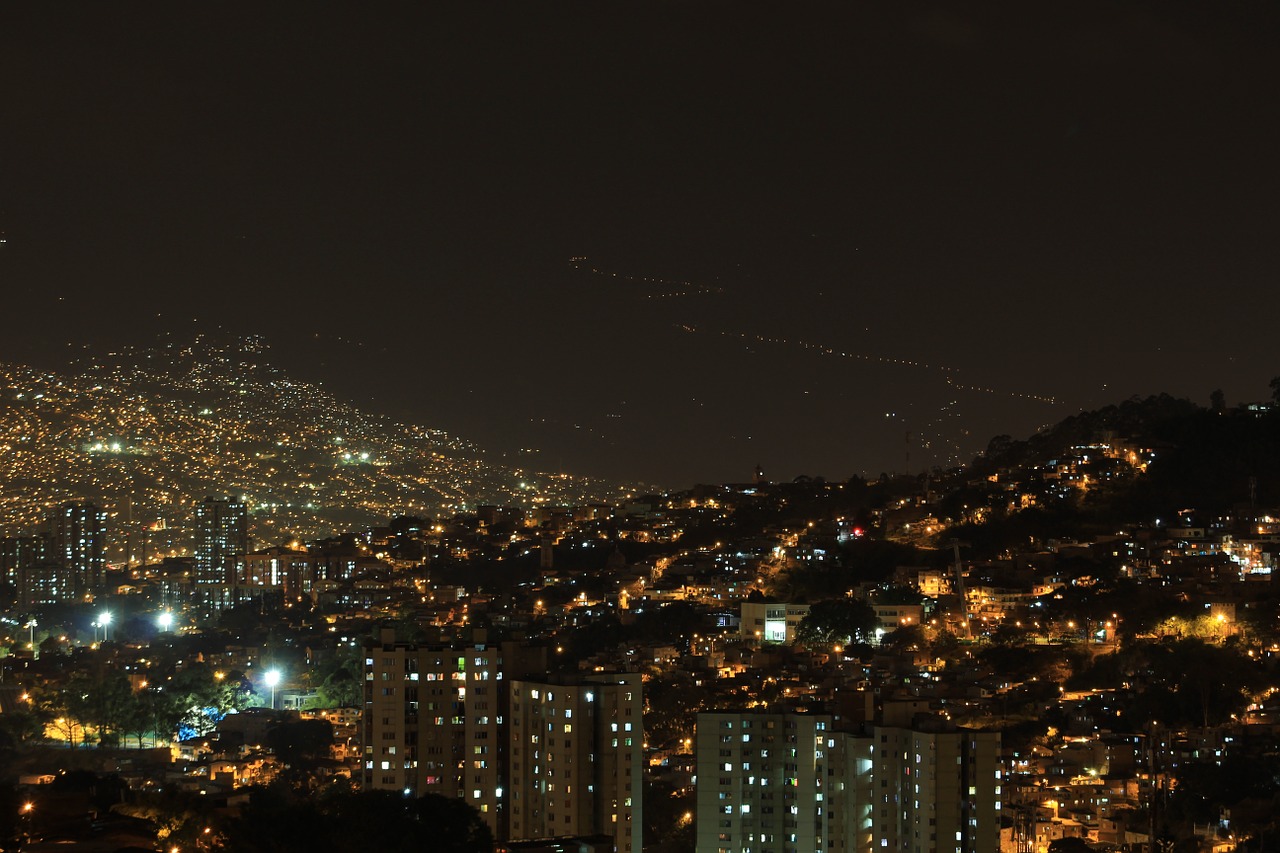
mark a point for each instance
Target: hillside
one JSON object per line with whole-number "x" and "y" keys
{"x": 1146, "y": 462}
{"x": 147, "y": 432}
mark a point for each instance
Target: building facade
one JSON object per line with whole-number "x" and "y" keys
{"x": 434, "y": 720}
{"x": 538, "y": 757}
{"x": 776, "y": 783}
{"x": 938, "y": 791}
{"x": 28, "y": 563}
{"x": 791, "y": 783}
{"x": 577, "y": 758}
{"x": 768, "y": 622}
{"x": 77, "y": 539}
{"x": 221, "y": 541}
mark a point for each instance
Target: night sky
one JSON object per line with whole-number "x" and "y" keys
{"x": 993, "y": 215}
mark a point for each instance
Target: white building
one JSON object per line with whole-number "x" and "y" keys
{"x": 767, "y": 622}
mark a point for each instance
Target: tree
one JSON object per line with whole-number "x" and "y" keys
{"x": 452, "y": 825}
{"x": 905, "y": 638}
{"x": 838, "y": 620}
{"x": 1275, "y": 389}
{"x": 672, "y": 703}
{"x": 199, "y": 698}
{"x": 301, "y": 743}
{"x": 897, "y": 594}
{"x": 668, "y": 818}
{"x": 148, "y": 714}
{"x": 68, "y": 708}
{"x": 277, "y": 821}
{"x": 104, "y": 703}
{"x": 21, "y": 726}
{"x": 178, "y": 816}
{"x": 1179, "y": 682}
{"x": 339, "y": 682}
{"x": 1212, "y": 680}
{"x": 945, "y": 644}
{"x": 340, "y": 689}
{"x": 999, "y": 445}
{"x": 139, "y": 717}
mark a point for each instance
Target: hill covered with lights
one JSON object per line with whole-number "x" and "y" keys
{"x": 146, "y": 433}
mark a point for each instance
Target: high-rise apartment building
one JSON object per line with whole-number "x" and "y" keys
{"x": 434, "y": 720}
{"x": 768, "y": 782}
{"x": 221, "y": 541}
{"x": 938, "y": 790}
{"x": 17, "y": 551}
{"x": 77, "y": 540}
{"x": 37, "y": 571}
{"x": 537, "y": 756}
{"x": 287, "y": 570}
{"x": 791, "y": 783}
{"x": 577, "y": 758}
{"x": 66, "y": 562}
{"x": 19, "y": 558}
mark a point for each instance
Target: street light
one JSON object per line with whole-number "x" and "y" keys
{"x": 271, "y": 679}
{"x": 35, "y": 652}
{"x": 165, "y": 620}
{"x": 105, "y": 621}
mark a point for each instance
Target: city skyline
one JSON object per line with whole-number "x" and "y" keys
{"x": 1070, "y": 645}
{"x": 661, "y": 242}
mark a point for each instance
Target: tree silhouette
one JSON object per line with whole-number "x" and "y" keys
{"x": 276, "y": 821}
{"x": 837, "y": 620}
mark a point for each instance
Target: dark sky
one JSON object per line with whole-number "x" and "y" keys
{"x": 979, "y": 204}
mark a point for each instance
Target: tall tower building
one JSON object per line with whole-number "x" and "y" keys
{"x": 38, "y": 572}
{"x": 577, "y": 758}
{"x": 221, "y": 541}
{"x": 537, "y": 756}
{"x": 77, "y": 534}
{"x": 434, "y": 720}
{"x": 777, "y": 783}
{"x": 788, "y": 783}
{"x": 939, "y": 789}
{"x": 18, "y": 554}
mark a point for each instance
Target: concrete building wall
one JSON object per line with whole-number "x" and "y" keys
{"x": 789, "y": 783}
{"x": 577, "y": 754}
{"x": 763, "y": 782}
{"x": 434, "y": 721}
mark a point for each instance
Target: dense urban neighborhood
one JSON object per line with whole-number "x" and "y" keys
{"x": 1070, "y": 644}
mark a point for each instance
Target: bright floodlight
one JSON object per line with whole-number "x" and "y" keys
{"x": 271, "y": 678}
{"x": 105, "y": 619}
{"x": 165, "y": 620}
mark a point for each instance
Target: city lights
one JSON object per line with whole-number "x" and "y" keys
{"x": 271, "y": 678}
{"x": 893, "y": 467}
{"x": 104, "y": 622}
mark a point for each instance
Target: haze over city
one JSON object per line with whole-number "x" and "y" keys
{"x": 660, "y": 242}
{"x": 685, "y": 426}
